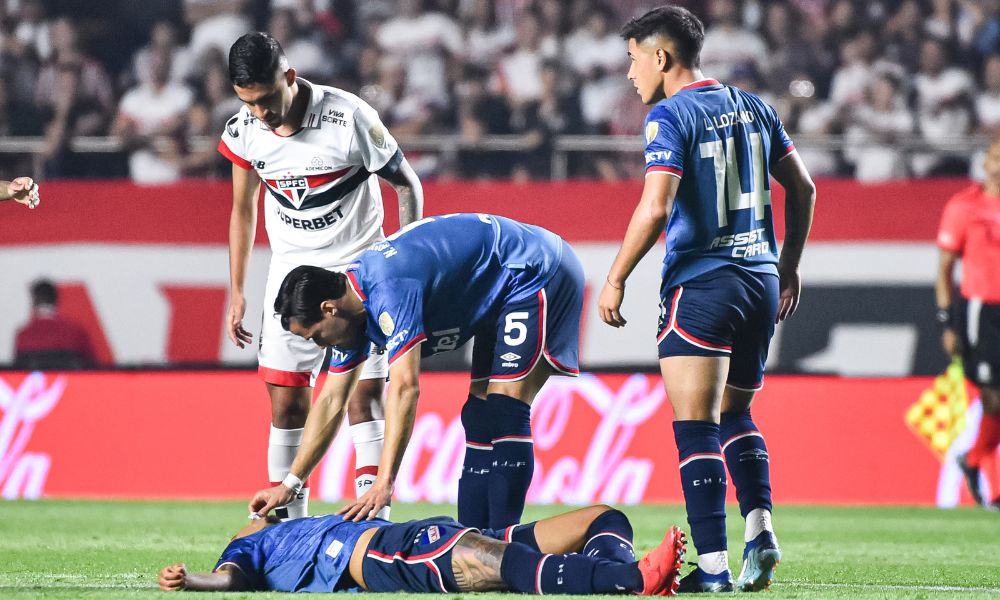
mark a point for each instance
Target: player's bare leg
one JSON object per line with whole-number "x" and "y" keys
{"x": 367, "y": 427}
{"x": 289, "y": 409}
{"x": 749, "y": 469}
{"x": 570, "y": 554}
{"x": 695, "y": 386}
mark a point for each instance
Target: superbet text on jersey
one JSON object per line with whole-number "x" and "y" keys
{"x": 721, "y": 142}
{"x": 322, "y": 206}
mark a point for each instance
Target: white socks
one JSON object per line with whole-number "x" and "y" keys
{"x": 282, "y": 444}
{"x": 758, "y": 521}
{"x": 714, "y": 563}
{"x": 367, "y": 438}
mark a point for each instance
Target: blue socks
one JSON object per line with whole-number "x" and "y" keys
{"x": 473, "y": 487}
{"x": 610, "y": 537}
{"x": 747, "y": 460}
{"x": 513, "y": 463}
{"x": 529, "y": 571}
{"x": 499, "y": 461}
{"x": 703, "y": 479}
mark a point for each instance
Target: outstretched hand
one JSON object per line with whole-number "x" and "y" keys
{"x": 267, "y": 500}
{"x": 369, "y": 504}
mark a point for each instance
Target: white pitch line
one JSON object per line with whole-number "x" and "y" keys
{"x": 923, "y": 588}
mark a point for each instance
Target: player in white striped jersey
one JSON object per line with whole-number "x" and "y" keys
{"x": 316, "y": 149}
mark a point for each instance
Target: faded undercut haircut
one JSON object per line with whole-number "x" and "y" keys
{"x": 303, "y": 290}
{"x": 254, "y": 59}
{"x": 675, "y": 23}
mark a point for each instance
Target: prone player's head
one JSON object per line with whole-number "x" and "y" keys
{"x": 255, "y": 525}
{"x": 312, "y": 303}
{"x": 261, "y": 77}
{"x": 660, "y": 43}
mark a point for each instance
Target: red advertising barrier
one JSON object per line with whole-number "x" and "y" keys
{"x": 197, "y": 212}
{"x": 598, "y": 438}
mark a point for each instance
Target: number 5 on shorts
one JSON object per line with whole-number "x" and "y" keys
{"x": 515, "y": 332}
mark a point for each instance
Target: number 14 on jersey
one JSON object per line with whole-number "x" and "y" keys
{"x": 728, "y": 187}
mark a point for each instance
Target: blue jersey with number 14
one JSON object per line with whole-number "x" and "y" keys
{"x": 721, "y": 142}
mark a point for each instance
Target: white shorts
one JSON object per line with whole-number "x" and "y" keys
{"x": 286, "y": 359}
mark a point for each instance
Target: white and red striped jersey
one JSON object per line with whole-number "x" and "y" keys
{"x": 322, "y": 205}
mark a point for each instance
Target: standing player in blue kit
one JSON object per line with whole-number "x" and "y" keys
{"x": 709, "y": 149}
{"x": 429, "y": 288}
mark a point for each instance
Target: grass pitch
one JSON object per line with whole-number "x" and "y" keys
{"x": 74, "y": 549}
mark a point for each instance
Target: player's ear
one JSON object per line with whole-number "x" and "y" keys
{"x": 663, "y": 59}
{"x": 328, "y": 307}
{"x": 290, "y": 76}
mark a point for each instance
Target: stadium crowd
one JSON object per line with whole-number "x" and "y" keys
{"x": 154, "y": 75}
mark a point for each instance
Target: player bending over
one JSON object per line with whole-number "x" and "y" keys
{"x": 709, "y": 150}
{"x": 587, "y": 551}
{"x": 516, "y": 288}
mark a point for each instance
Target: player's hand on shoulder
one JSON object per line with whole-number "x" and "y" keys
{"x": 267, "y": 500}
{"x": 172, "y": 577}
{"x": 790, "y": 287}
{"x": 609, "y": 304}
{"x": 369, "y": 504}
{"x": 234, "y": 321}
{"x": 25, "y": 191}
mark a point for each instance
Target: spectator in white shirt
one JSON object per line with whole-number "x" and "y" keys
{"x": 520, "y": 71}
{"x": 428, "y": 40}
{"x": 944, "y": 109}
{"x": 163, "y": 36}
{"x": 728, "y": 44}
{"x": 988, "y": 98}
{"x": 485, "y": 37}
{"x": 874, "y": 127}
{"x": 150, "y": 110}
{"x": 594, "y": 52}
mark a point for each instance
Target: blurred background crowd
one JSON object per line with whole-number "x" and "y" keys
{"x": 884, "y": 88}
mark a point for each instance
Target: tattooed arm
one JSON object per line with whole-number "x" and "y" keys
{"x": 475, "y": 561}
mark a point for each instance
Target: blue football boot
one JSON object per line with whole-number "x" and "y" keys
{"x": 699, "y": 581}
{"x": 760, "y": 558}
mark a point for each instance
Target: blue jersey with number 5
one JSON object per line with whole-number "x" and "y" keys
{"x": 721, "y": 142}
{"x": 441, "y": 279}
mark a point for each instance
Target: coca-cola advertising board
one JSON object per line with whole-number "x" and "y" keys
{"x": 598, "y": 438}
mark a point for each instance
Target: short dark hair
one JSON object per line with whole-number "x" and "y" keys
{"x": 43, "y": 292}
{"x": 303, "y": 290}
{"x": 673, "y": 22}
{"x": 254, "y": 58}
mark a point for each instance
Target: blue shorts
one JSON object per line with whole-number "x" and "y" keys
{"x": 725, "y": 312}
{"x": 544, "y": 324}
{"x": 414, "y": 556}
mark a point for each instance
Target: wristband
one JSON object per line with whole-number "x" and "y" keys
{"x": 943, "y": 316}
{"x": 293, "y": 483}
{"x": 608, "y": 279}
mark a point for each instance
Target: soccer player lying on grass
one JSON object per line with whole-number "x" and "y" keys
{"x": 586, "y": 551}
